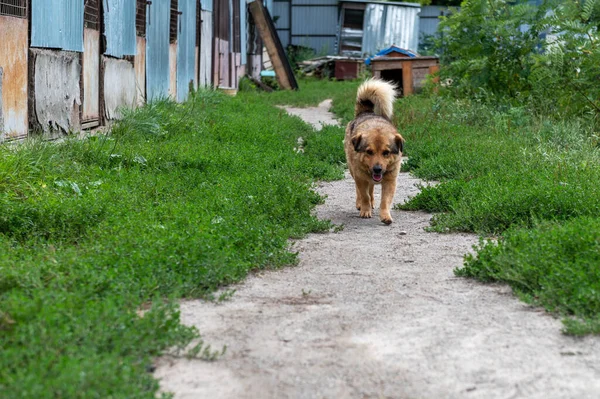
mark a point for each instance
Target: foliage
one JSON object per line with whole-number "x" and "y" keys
{"x": 553, "y": 265}
{"x": 514, "y": 52}
{"x": 98, "y": 237}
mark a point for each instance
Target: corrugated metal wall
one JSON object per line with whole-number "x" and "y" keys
{"x": 57, "y": 24}
{"x": 207, "y": 5}
{"x": 314, "y": 24}
{"x": 309, "y": 23}
{"x": 244, "y": 31}
{"x": 186, "y": 48}
{"x": 119, "y": 27}
{"x": 387, "y": 25}
{"x": 157, "y": 50}
{"x": 429, "y": 19}
{"x": 281, "y": 18}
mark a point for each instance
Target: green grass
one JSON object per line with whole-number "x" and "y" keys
{"x": 554, "y": 265}
{"x": 178, "y": 200}
{"x": 534, "y": 181}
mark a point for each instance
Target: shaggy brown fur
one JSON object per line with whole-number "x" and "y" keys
{"x": 374, "y": 147}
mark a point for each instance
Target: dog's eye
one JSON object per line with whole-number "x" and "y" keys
{"x": 370, "y": 152}
{"x": 386, "y": 153}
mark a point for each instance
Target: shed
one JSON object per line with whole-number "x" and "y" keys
{"x": 306, "y": 23}
{"x": 365, "y": 27}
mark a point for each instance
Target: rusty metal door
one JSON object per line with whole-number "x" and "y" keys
{"x": 91, "y": 65}
{"x": 13, "y": 69}
{"x": 157, "y": 49}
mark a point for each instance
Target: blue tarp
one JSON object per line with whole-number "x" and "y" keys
{"x": 392, "y": 49}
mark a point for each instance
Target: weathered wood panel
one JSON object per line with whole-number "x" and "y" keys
{"x": 140, "y": 70}
{"x": 119, "y": 86}
{"x": 196, "y": 67}
{"x": 221, "y": 68}
{"x": 13, "y": 82}
{"x": 91, "y": 76}
{"x": 206, "y": 40}
{"x": 173, "y": 71}
{"x": 57, "y": 95}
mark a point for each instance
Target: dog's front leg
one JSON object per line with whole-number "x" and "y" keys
{"x": 388, "y": 190}
{"x": 363, "y": 187}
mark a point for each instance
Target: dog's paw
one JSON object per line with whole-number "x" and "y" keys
{"x": 387, "y": 218}
{"x": 366, "y": 213}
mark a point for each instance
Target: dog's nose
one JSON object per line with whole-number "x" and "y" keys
{"x": 377, "y": 169}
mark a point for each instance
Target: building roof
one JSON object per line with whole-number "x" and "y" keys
{"x": 387, "y": 3}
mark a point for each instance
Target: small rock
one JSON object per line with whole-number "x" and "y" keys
{"x": 402, "y": 233}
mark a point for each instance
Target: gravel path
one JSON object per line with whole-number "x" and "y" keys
{"x": 374, "y": 311}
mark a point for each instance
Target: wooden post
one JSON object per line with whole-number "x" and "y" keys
{"x": 407, "y": 78}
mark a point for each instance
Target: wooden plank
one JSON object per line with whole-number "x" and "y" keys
{"x": 266, "y": 29}
{"x": 407, "y": 79}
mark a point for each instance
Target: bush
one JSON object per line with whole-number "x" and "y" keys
{"x": 544, "y": 57}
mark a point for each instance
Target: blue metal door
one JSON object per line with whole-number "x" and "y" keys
{"x": 186, "y": 48}
{"x": 157, "y": 49}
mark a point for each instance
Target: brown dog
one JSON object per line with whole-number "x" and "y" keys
{"x": 374, "y": 147}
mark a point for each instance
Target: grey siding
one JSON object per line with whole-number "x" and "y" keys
{"x": 119, "y": 27}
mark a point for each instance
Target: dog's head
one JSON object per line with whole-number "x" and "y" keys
{"x": 379, "y": 148}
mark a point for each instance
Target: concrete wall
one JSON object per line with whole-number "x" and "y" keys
{"x": 56, "y": 92}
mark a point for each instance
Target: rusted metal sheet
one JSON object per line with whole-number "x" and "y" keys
{"x": 13, "y": 82}
{"x": 57, "y": 24}
{"x": 56, "y": 90}
{"x": 91, "y": 77}
{"x": 173, "y": 70}
{"x": 186, "y": 48}
{"x": 157, "y": 50}
{"x": 140, "y": 70}
{"x": 119, "y": 86}
{"x": 119, "y": 27}
{"x": 206, "y": 40}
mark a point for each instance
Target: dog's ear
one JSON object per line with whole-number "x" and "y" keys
{"x": 356, "y": 141}
{"x": 398, "y": 147}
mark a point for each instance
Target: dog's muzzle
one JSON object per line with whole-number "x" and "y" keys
{"x": 377, "y": 173}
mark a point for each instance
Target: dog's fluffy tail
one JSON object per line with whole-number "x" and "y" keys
{"x": 376, "y": 96}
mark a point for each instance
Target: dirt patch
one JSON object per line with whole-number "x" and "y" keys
{"x": 374, "y": 311}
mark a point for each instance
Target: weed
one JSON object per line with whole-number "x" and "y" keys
{"x": 178, "y": 200}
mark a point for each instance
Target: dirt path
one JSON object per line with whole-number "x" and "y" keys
{"x": 375, "y": 311}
